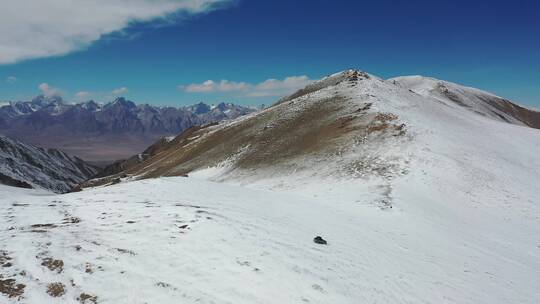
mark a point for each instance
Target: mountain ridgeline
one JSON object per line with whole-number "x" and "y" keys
{"x": 103, "y": 132}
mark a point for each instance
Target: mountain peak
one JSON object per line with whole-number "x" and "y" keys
{"x": 123, "y": 102}
{"x": 90, "y": 105}
{"x": 43, "y": 101}
{"x": 350, "y": 75}
{"x": 200, "y": 108}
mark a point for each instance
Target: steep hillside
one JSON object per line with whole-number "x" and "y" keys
{"x": 101, "y": 132}
{"x": 28, "y": 166}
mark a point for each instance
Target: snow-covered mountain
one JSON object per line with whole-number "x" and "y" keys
{"x": 348, "y": 125}
{"x": 109, "y": 131}
{"x": 425, "y": 191}
{"x": 28, "y": 166}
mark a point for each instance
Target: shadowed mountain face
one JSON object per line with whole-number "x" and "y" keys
{"x": 28, "y": 166}
{"x": 107, "y": 132}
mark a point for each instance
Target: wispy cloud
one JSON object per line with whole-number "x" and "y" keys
{"x": 100, "y": 95}
{"x": 212, "y": 86}
{"x": 276, "y": 87}
{"x": 42, "y": 28}
{"x": 82, "y": 94}
{"x": 268, "y": 88}
{"x": 120, "y": 91}
{"x": 11, "y": 79}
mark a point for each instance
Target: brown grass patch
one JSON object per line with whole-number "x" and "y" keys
{"x": 385, "y": 117}
{"x": 377, "y": 128}
{"x": 56, "y": 289}
{"x": 53, "y": 265}
{"x": 11, "y": 289}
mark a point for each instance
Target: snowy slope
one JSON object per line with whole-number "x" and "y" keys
{"x": 27, "y": 165}
{"x": 182, "y": 239}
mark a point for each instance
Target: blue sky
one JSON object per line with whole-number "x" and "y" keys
{"x": 240, "y": 45}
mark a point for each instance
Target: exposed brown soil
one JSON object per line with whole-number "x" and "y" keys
{"x": 56, "y": 289}
{"x": 53, "y": 265}
{"x": 11, "y": 289}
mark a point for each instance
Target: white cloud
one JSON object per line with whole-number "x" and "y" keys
{"x": 212, "y": 86}
{"x": 275, "y": 87}
{"x": 104, "y": 96}
{"x": 11, "y": 79}
{"x": 120, "y": 91}
{"x": 48, "y": 91}
{"x": 82, "y": 94}
{"x": 269, "y": 87}
{"x": 42, "y": 28}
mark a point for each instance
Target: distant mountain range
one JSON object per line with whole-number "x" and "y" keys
{"x": 28, "y": 166}
{"x": 103, "y": 132}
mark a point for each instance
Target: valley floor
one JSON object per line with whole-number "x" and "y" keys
{"x": 185, "y": 240}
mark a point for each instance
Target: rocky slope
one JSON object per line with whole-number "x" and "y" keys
{"x": 99, "y": 132}
{"x": 28, "y": 166}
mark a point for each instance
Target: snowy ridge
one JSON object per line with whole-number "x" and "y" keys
{"x": 481, "y": 102}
